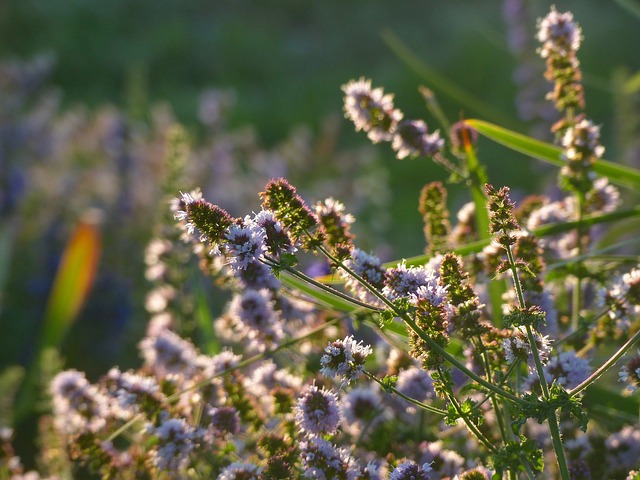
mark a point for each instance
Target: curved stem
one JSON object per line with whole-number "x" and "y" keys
{"x": 418, "y": 403}
{"x": 605, "y": 366}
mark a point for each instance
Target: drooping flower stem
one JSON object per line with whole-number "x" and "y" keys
{"x": 424, "y": 406}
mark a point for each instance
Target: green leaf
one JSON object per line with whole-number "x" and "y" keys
{"x": 322, "y": 296}
{"x": 619, "y": 174}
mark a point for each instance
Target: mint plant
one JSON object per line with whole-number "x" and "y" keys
{"x": 474, "y": 360}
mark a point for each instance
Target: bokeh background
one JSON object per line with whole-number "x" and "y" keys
{"x": 91, "y": 91}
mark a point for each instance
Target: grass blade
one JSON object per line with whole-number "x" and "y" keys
{"x": 619, "y": 174}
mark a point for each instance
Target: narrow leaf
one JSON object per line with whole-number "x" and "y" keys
{"x": 321, "y": 296}
{"x": 619, "y": 174}
{"x": 72, "y": 283}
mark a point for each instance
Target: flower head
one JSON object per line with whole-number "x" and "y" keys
{"x": 558, "y": 34}
{"x": 317, "y": 411}
{"x": 370, "y": 110}
{"x": 630, "y": 373}
{"x": 344, "y": 358}
{"x": 241, "y": 471}
{"x": 408, "y": 470}
{"x": 411, "y": 140}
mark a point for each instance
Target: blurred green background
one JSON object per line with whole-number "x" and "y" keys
{"x": 286, "y": 60}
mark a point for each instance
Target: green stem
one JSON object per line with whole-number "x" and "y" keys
{"x": 274, "y": 264}
{"x": 554, "y": 428}
{"x": 606, "y": 366}
{"x": 470, "y": 425}
{"x": 424, "y": 406}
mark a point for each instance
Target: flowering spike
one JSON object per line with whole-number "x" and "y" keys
{"x": 210, "y": 220}
{"x": 370, "y": 110}
{"x": 501, "y": 217}
{"x": 282, "y": 199}
{"x": 433, "y": 207}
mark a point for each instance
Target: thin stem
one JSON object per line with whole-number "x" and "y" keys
{"x": 606, "y": 366}
{"x": 470, "y": 425}
{"x": 274, "y": 264}
{"x": 418, "y": 403}
{"x": 554, "y": 428}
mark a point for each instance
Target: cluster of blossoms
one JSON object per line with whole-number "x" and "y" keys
{"x": 372, "y": 111}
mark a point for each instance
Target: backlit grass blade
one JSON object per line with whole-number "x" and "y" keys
{"x": 316, "y": 293}
{"x": 72, "y": 283}
{"x": 619, "y": 174}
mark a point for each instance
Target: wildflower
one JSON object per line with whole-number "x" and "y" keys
{"x": 362, "y": 409}
{"x": 256, "y": 275}
{"x": 335, "y": 222}
{"x": 194, "y": 213}
{"x": 501, "y": 217}
{"x": 224, "y": 421}
{"x": 241, "y": 471}
{"x": 461, "y": 133}
{"x": 602, "y": 198}
{"x": 176, "y": 440}
{"x": 370, "y": 269}
{"x": 415, "y": 383}
{"x": 465, "y": 229}
{"x": 579, "y": 469}
{"x": 317, "y": 411}
{"x": 344, "y": 358}
{"x": 444, "y": 462}
{"x": 290, "y": 210}
{"x": 130, "y": 392}
{"x": 622, "y": 299}
{"x": 408, "y": 470}
{"x": 323, "y": 461}
{"x": 411, "y": 140}
{"x": 276, "y": 239}
{"x": 79, "y": 406}
{"x": 630, "y": 373}
{"x": 566, "y": 369}
{"x": 478, "y": 473}
{"x": 371, "y": 471}
{"x": 370, "y": 110}
{"x": 245, "y": 243}
{"x": 623, "y": 448}
{"x": 517, "y": 347}
{"x": 582, "y": 147}
{"x": 404, "y": 281}
{"x": 464, "y": 304}
{"x": 558, "y": 33}
{"x": 168, "y": 353}
{"x": 254, "y": 311}
{"x": 433, "y": 208}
